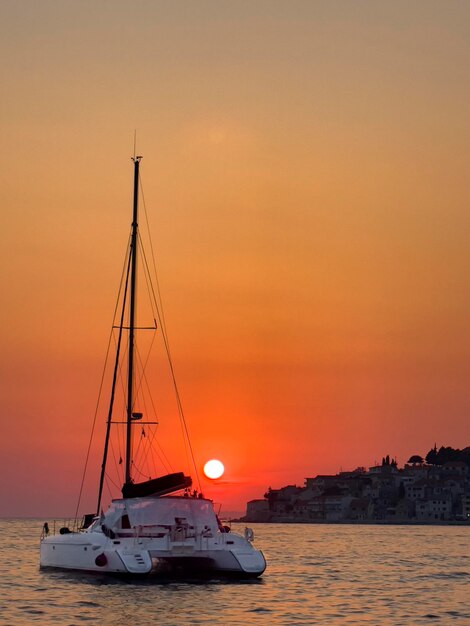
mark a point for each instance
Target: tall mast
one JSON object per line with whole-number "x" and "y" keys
{"x": 130, "y": 368}
{"x": 113, "y": 391}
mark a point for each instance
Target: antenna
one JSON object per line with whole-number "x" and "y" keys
{"x": 135, "y": 158}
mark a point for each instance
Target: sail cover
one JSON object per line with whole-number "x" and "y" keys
{"x": 157, "y": 486}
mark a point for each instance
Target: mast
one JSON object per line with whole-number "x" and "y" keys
{"x": 113, "y": 391}
{"x": 130, "y": 367}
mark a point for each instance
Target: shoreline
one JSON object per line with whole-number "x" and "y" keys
{"x": 357, "y": 522}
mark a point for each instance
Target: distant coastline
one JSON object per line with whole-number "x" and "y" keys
{"x": 346, "y": 522}
{"x": 434, "y": 490}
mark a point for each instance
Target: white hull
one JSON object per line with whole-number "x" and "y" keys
{"x": 154, "y": 548}
{"x": 226, "y": 554}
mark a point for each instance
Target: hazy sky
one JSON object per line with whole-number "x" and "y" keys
{"x": 306, "y": 170}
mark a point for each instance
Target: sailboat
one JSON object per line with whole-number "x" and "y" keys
{"x": 160, "y": 525}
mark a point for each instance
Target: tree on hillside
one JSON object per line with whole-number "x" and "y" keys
{"x": 431, "y": 456}
{"x": 447, "y": 455}
{"x": 416, "y": 459}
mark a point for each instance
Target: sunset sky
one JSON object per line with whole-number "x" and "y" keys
{"x": 306, "y": 173}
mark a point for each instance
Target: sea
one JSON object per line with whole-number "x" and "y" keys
{"x": 316, "y": 574}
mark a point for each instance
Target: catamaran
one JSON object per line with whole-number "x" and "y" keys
{"x": 160, "y": 525}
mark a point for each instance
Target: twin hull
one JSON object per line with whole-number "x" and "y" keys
{"x": 227, "y": 554}
{"x": 127, "y": 540}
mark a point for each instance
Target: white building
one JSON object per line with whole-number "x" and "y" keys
{"x": 434, "y": 509}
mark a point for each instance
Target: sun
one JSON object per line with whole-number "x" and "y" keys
{"x": 214, "y": 469}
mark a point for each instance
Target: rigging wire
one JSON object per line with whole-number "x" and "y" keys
{"x": 153, "y": 441}
{"x": 158, "y": 312}
{"x": 120, "y": 438}
{"x": 143, "y": 376}
{"x": 143, "y": 381}
{"x": 162, "y": 326}
{"x": 161, "y": 319}
{"x": 114, "y": 381}
{"x": 101, "y": 383}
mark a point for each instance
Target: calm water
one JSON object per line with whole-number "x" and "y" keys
{"x": 317, "y": 574}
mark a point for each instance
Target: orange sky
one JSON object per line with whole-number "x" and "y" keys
{"x": 306, "y": 173}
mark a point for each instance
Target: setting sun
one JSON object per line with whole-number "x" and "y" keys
{"x": 213, "y": 469}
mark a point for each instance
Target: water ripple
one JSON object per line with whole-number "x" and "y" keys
{"x": 317, "y": 575}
